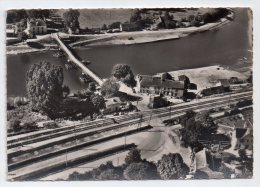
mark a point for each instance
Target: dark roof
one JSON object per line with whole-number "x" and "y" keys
{"x": 158, "y": 82}
{"x": 182, "y": 77}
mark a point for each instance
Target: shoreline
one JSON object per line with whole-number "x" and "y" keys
{"x": 123, "y": 38}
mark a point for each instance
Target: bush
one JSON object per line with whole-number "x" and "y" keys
{"x": 50, "y": 125}
{"x": 141, "y": 171}
{"x": 14, "y": 125}
{"x": 9, "y": 106}
{"x": 124, "y": 73}
{"x": 171, "y": 166}
{"x": 133, "y": 156}
{"x": 110, "y": 88}
{"x": 27, "y": 126}
{"x": 109, "y": 174}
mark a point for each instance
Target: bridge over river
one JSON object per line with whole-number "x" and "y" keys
{"x": 73, "y": 59}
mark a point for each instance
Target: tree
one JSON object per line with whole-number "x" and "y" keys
{"x": 167, "y": 20}
{"x": 190, "y": 132}
{"x": 14, "y": 16}
{"x": 85, "y": 94}
{"x": 136, "y": 16}
{"x": 110, "y": 88}
{"x": 71, "y": 18}
{"x": 107, "y": 169}
{"x": 225, "y": 170}
{"x": 38, "y": 13}
{"x": 124, "y": 73}
{"x": 195, "y": 127}
{"x": 98, "y": 102}
{"x": 141, "y": 171}
{"x": 115, "y": 25}
{"x": 14, "y": 125}
{"x": 109, "y": 174}
{"x": 66, "y": 90}
{"x": 104, "y": 27}
{"x": 22, "y": 36}
{"x": 250, "y": 78}
{"x": 171, "y": 166}
{"x": 44, "y": 87}
{"x": 92, "y": 86}
{"x": 133, "y": 156}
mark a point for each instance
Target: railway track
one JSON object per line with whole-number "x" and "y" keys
{"x": 13, "y": 141}
{"x": 53, "y": 137}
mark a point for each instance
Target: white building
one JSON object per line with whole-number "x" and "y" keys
{"x": 36, "y": 27}
{"x": 113, "y": 105}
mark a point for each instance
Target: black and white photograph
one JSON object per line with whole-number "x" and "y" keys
{"x": 98, "y": 94}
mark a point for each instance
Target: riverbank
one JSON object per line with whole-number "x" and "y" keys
{"x": 140, "y": 37}
{"x": 122, "y": 38}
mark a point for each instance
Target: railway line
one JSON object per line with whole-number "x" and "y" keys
{"x": 45, "y": 139}
{"x": 51, "y": 139}
{"x": 16, "y": 141}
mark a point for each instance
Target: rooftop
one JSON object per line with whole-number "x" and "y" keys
{"x": 113, "y": 100}
{"x": 234, "y": 121}
{"x": 37, "y": 22}
{"x": 148, "y": 81}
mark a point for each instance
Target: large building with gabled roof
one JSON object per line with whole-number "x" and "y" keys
{"x": 160, "y": 85}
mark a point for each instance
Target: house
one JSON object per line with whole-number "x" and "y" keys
{"x": 73, "y": 30}
{"x": 36, "y": 27}
{"x": 112, "y": 105}
{"x": 185, "y": 79}
{"x": 224, "y": 83}
{"x": 242, "y": 129}
{"x": 159, "y": 85}
{"x": 157, "y": 102}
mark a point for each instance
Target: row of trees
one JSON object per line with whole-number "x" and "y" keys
{"x": 168, "y": 22}
{"x": 14, "y": 16}
{"x": 170, "y": 166}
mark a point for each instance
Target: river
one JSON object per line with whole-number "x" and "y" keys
{"x": 223, "y": 46}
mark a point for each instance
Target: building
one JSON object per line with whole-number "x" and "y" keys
{"x": 36, "y": 27}
{"x": 157, "y": 102}
{"x": 73, "y": 30}
{"x": 159, "y": 85}
{"x": 185, "y": 79}
{"x": 240, "y": 128}
{"x": 112, "y": 105}
{"x": 224, "y": 83}
{"x": 10, "y": 32}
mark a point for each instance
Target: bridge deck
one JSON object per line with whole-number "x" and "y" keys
{"x": 86, "y": 70}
